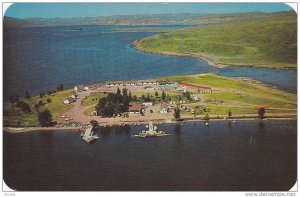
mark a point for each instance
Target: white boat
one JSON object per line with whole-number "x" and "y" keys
{"x": 88, "y": 135}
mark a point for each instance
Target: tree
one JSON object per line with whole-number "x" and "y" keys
{"x": 156, "y": 93}
{"x": 261, "y": 112}
{"x": 229, "y": 113}
{"x": 130, "y": 96}
{"x": 176, "y": 113}
{"x": 11, "y": 98}
{"x": 49, "y": 92}
{"x": 41, "y": 103}
{"x": 134, "y": 98}
{"x": 36, "y": 106}
{"x": 45, "y": 117}
{"x": 27, "y": 95}
{"x": 94, "y": 123}
{"x": 118, "y": 91}
{"x": 163, "y": 95}
{"x": 187, "y": 95}
{"x": 60, "y": 87}
{"x": 24, "y": 106}
{"x": 16, "y": 98}
{"x": 41, "y": 94}
{"x": 49, "y": 100}
{"x": 124, "y": 92}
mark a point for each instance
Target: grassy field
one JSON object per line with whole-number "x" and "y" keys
{"x": 240, "y": 96}
{"x": 13, "y": 116}
{"x": 267, "y": 42}
{"x": 93, "y": 99}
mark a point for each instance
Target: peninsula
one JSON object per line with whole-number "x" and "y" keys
{"x": 196, "y": 97}
{"x": 259, "y": 42}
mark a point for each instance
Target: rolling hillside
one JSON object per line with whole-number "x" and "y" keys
{"x": 269, "y": 41}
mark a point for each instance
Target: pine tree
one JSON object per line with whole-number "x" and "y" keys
{"x": 163, "y": 96}
{"x": 45, "y": 117}
{"x": 27, "y": 95}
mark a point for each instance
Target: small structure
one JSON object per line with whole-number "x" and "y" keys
{"x": 94, "y": 113}
{"x": 147, "y": 104}
{"x": 196, "y": 98}
{"x": 79, "y": 88}
{"x": 89, "y": 136}
{"x": 69, "y": 100}
{"x": 135, "y": 107}
{"x": 196, "y": 88}
{"x": 74, "y": 96}
{"x": 151, "y": 132}
{"x": 164, "y": 108}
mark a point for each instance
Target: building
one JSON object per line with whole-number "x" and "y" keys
{"x": 164, "y": 108}
{"x": 147, "y": 104}
{"x": 69, "y": 100}
{"x": 74, "y": 96}
{"x": 135, "y": 107}
{"x": 79, "y": 88}
{"x": 197, "y": 88}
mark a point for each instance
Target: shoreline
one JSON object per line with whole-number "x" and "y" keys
{"x": 135, "y": 123}
{"x": 135, "y": 45}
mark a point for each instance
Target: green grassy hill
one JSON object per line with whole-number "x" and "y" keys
{"x": 265, "y": 42}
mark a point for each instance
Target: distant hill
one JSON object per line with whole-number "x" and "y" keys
{"x": 152, "y": 19}
{"x": 252, "y": 39}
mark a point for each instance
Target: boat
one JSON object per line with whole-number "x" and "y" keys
{"x": 88, "y": 135}
{"x": 151, "y": 132}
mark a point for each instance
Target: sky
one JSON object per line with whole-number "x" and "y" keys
{"x": 68, "y": 10}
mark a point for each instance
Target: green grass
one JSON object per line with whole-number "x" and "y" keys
{"x": 13, "y": 115}
{"x": 93, "y": 98}
{"x": 89, "y": 110}
{"x": 268, "y": 42}
{"x": 243, "y": 96}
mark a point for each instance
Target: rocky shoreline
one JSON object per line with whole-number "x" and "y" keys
{"x": 82, "y": 127}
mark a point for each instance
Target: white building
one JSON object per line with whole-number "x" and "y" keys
{"x": 69, "y": 100}
{"x": 147, "y": 104}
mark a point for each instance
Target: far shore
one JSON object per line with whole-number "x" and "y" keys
{"x": 210, "y": 62}
{"x": 165, "y": 121}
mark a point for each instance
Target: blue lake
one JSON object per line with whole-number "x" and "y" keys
{"x": 227, "y": 156}
{"x": 40, "y": 58}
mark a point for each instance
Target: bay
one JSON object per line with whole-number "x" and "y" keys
{"x": 40, "y": 58}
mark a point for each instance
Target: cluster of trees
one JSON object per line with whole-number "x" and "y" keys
{"x": 177, "y": 113}
{"x": 114, "y": 103}
{"x": 45, "y": 118}
{"x": 60, "y": 87}
{"x": 187, "y": 95}
{"x": 24, "y": 106}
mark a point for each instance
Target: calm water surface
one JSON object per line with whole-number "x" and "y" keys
{"x": 244, "y": 156}
{"x": 40, "y": 58}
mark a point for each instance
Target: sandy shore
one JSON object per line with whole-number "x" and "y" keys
{"x": 28, "y": 129}
{"x": 167, "y": 121}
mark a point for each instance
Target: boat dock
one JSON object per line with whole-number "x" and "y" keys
{"x": 88, "y": 136}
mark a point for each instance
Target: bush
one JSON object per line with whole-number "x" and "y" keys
{"x": 49, "y": 100}
{"x": 94, "y": 123}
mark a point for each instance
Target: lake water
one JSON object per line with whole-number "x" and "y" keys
{"x": 241, "y": 156}
{"x": 40, "y": 58}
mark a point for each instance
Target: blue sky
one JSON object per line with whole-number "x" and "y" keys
{"x": 66, "y": 10}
